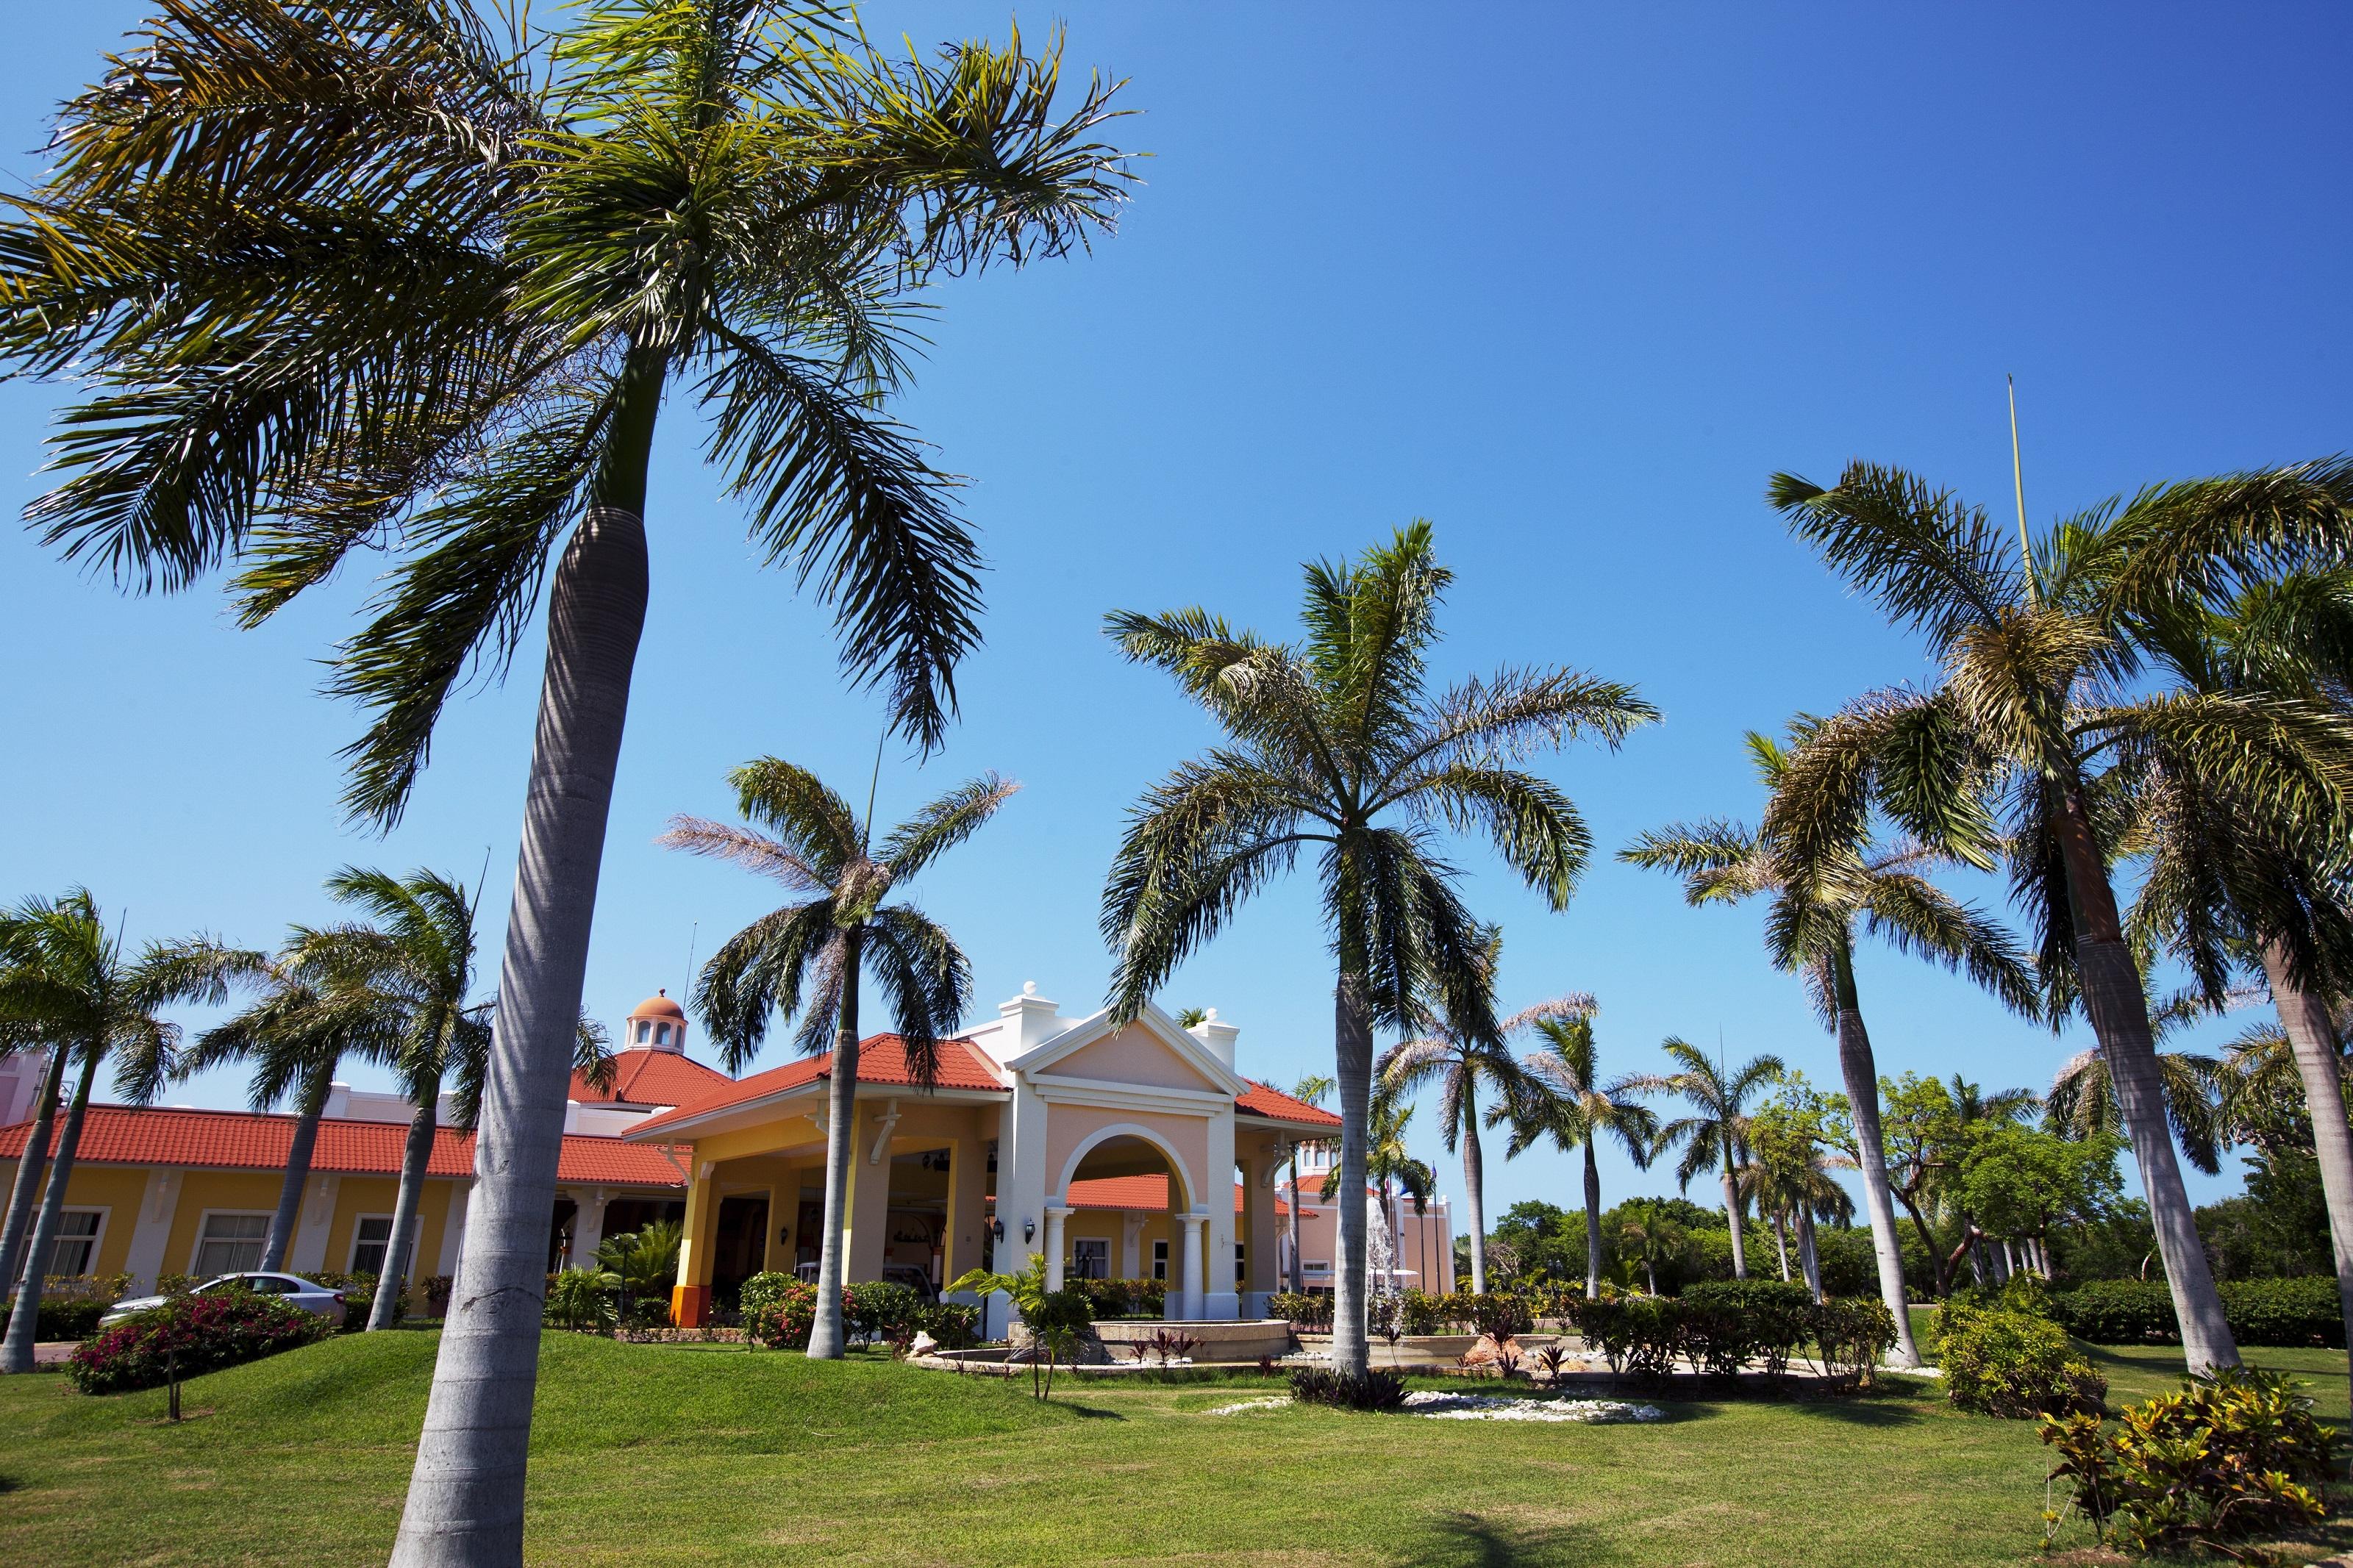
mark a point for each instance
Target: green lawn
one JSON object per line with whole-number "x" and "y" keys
{"x": 658, "y": 1455}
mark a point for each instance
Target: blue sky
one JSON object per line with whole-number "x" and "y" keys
{"x": 1569, "y": 281}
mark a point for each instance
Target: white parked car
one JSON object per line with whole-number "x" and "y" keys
{"x": 292, "y": 1289}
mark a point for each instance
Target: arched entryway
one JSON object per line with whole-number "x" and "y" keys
{"x": 1127, "y": 1207}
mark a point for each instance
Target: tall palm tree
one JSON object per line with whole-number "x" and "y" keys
{"x": 365, "y": 274}
{"x": 64, "y": 979}
{"x": 1390, "y": 1167}
{"x": 2026, "y": 719}
{"x": 1654, "y": 1238}
{"x": 1460, "y": 1061}
{"x": 307, "y": 1020}
{"x": 1811, "y": 929}
{"x": 1308, "y": 1090}
{"x": 2081, "y": 1104}
{"x": 1716, "y": 1130}
{"x": 1568, "y": 1103}
{"x": 823, "y": 849}
{"x": 1337, "y": 746}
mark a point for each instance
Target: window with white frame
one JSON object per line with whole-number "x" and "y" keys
{"x": 645, "y": 1033}
{"x": 230, "y": 1243}
{"x": 1160, "y": 1260}
{"x": 74, "y": 1250}
{"x": 372, "y": 1238}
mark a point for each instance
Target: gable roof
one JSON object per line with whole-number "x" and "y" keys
{"x": 257, "y": 1140}
{"x": 643, "y": 1075}
{"x": 881, "y": 1060}
{"x": 1277, "y": 1106}
{"x": 1098, "y": 1025}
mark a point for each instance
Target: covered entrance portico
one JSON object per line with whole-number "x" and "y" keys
{"x": 1133, "y": 1152}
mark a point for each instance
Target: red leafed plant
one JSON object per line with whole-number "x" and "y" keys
{"x": 192, "y": 1335}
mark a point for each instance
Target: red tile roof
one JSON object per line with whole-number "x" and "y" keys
{"x": 1263, "y": 1100}
{"x": 245, "y": 1139}
{"x": 881, "y": 1059}
{"x": 1137, "y": 1193}
{"x": 642, "y": 1075}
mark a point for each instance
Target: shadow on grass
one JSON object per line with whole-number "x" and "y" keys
{"x": 1091, "y": 1412}
{"x": 1473, "y": 1541}
{"x": 9, "y": 1483}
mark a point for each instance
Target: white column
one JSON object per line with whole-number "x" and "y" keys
{"x": 1194, "y": 1224}
{"x": 1131, "y": 1244}
{"x": 151, "y": 1231}
{"x": 1020, "y": 1190}
{"x": 308, "y": 1253}
{"x": 1055, "y": 1215}
{"x": 1219, "y": 1298}
{"x": 588, "y": 1224}
{"x": 453, "y": 1227}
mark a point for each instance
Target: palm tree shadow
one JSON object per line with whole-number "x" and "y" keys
{"x": 1467, "y": 1540}
{"x": 1092, "y": 1412}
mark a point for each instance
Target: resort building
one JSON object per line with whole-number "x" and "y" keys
{"x": 1130, "y": 1152}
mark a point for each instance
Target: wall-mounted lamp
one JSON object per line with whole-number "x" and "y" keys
{"x": 997, "y": 1229}
{"x": 1028, "y": 1228}
{"x": 784, "y": 1233}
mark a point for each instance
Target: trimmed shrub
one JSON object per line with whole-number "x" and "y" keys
{"x": 2117, "y": 1312}
{"x": 66, "y": 1317}
{"x": 2232, "y": 1456}
{"x": 1852, "y": 1336}
{"x": 2013, "y": 1364}
{"x": 1420, "y": 1312}
{"x": 196, "y": 1333}
{"x": 1761, "y": 1318}
{"x": 1328, "y": 1385}
{"x": 778, "y": 1309}
{"x": 2301, "y": 1311}
{"x": 1499, "y": 1314}
{"x": 878, "y": 1310}
{"x": 1308, "y": 1310}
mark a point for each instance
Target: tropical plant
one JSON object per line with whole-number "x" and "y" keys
{"x": 582, "y": 1299}
{"x": 1460, "y": 1060}
{"x": 1811, "y": 928}
{"x": 2081, "y": 1104}
{"x": 1565, "y": 1100}
{"x": 363, "y": 274}
{"x": 313, "y": 1013}
{"x": 1789, "y": 1172}
{"x": 1055, "y": 1317}
{"x": 1650, "y": 1238}
{"x": 645, "y": 1261}
{"x": 1338, "y": 747}
{"x": 2029, "y": 719}
{"x": 1716, "y": 1130}
{"x": 65, "y": 981}
{"x": 824, "y": 849}
{"x": 1308, "y": 1090}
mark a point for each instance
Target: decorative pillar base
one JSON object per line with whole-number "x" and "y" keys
{"x": 690, "y": 1305}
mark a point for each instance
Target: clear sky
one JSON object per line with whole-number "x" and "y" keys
{"x": 1568, "y": 280}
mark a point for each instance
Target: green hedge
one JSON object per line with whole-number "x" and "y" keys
{"x": 2303, "y": 1312}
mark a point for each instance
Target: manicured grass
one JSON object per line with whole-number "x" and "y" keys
{"x": 660, "y": 1455}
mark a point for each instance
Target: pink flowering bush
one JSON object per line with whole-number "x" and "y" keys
{"x": 198, "y": 1333}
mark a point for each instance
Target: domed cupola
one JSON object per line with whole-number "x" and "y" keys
{"x": 656, "y": 1023}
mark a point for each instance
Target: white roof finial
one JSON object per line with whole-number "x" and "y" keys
{"x": 1211, "y": 1016}
{"x": 1028, "y": 988}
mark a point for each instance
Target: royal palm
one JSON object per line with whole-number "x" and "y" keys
{"x": 806, "y": 958}
{"x": 1809, "y": 930}
{"x": 66, "y": 982}
{"x": 1715, "y": 1133}
{"x": 1565, "y": 1100}
{"x": 1336, "y": 747}
{"x": 1460, "y": 1061}
{"x": 2025, "y": 718}
{"x": 365, "y": 275}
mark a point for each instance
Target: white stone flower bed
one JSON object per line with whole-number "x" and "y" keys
{"x": 1443, "y": 1406}
{"x": 1275, "y": 1403}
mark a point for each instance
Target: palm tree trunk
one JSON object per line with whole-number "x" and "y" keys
{"x": 1731, "y": 1217}
{"x": 29, "y": 1166}
{"x": 298, "y": 1172}
{"x": 1592, "y": 1223}
{"x": 1808, "y": 1256}
{"x": 1298, "y": 1269}
{"x": 828, "y": 1339}
{"x": 1860, "y": 1073}
{"x": 17, "y": 1351}
{"x": 1650, "y": 1273}
{"x": 1781, "y": 1242}
{"x": 2313, "y": 1038}
{"x": 1475, "y": 1181}
{"x": 466, "y": 1493}
{"x": 1352, "y": 1051}
{"x": 2118, "y": 1004}
{"x": 392, "y": 1285}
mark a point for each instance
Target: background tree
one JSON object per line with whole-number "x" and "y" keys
{"x": 1337, "y": 746}
{"x": 1809, "y": 930}
{"x": 1789, "y": 1170}
{"x": 366, "y": 274}
{"x": 1651, "y": 1237}
{"x": 1308, "y": 1090}
{"x": 1716, "y": 1133}
{"x": 825, "y": 943}
{"x": 2025, "y": 720}
{"x": 1460, "y": 1061}
{"x": 1565, "y": 1100}
{"x": 64, "y": 979}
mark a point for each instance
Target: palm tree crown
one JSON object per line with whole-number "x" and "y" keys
{"x": 1716, "y": 1130}
{"x": 1566, "y": 1101}
{"x": 1336, "y": 745}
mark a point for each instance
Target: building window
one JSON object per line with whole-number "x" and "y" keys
{"x": 645, "y": 1032}
{"x": 1090, "y": 1257}
{"x": 1160, "y": 1260}
{"x": 230, "y": 1243}
{"x": 662, "y": 1034}
{"x": 372, "y": 1237}
{"x": 1241, "y": 1273}
{"x": 74, "y": 1251}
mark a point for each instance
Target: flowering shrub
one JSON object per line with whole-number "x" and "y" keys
{"x": 197, "y": 1334}
{"x": 778, "y": 1309}
{"x": 2232, "y": 1456}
